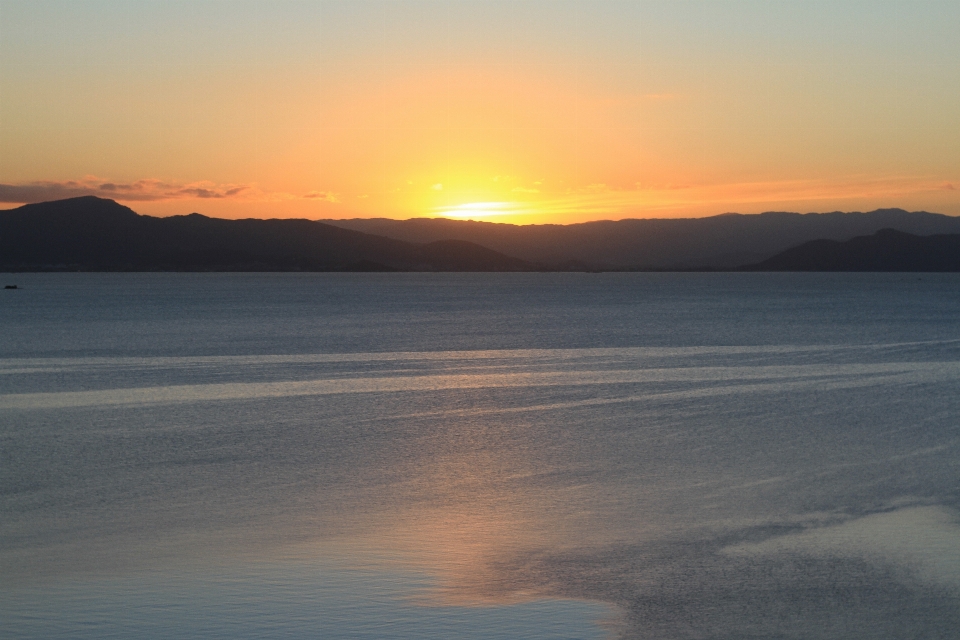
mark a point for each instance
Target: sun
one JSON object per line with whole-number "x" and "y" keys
{"x": 477, "y": 210}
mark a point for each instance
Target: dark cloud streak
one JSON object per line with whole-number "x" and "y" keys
{"x": 139, "y": 191}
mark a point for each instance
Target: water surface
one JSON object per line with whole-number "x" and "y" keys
{"x": 480, "y": 455}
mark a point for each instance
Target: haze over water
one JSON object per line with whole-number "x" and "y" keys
{"x": 480, "y": 455}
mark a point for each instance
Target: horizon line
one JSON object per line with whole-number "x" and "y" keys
{"x": 126, "y": 204}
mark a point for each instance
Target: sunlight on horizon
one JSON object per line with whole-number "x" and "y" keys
{"x": 550, "y": 113}
{"x": 480, "y": 210}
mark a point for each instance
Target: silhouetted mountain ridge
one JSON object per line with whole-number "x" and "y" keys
{"x": 94, "y": 234}
{"x": 718, "y": 242}
{"x": 885, "y": 250}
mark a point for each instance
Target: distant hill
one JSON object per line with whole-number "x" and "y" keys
{"x": 718, "y": 242}
{"x": 94, "y": 234}
{"x": 886, "y": 250}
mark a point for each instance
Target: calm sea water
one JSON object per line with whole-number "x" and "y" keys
{"x": 480, "y": 456}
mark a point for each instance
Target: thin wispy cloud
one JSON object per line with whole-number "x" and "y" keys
{"x": 322, "y": 196}
{"x": 146, "y": 190}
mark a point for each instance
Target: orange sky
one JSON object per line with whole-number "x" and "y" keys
{"x": 514, "y": 111}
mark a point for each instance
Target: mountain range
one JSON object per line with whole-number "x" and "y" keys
{"x": 719, "y": 242}
{"x": 95, "y": 234}
{"x": 886, "y": 250}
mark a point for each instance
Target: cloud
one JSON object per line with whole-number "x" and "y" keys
{"x": 199, "y": 192}
{"x": 322, "y": 196}
{"x": 145, "y": 190}
{"x": 437, "y": 187}
{"x": 524, "y": 190}
{"x": 949, "y": 187}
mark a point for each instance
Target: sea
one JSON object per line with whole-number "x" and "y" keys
{"x": 497, "y": 456}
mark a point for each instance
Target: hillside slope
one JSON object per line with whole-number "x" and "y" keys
{"x": 886, "y": 250}
{"x": 719, "y": 242}
{"x": 94, "y": 234}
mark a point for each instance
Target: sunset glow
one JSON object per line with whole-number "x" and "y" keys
{"x": 525, "y": 111}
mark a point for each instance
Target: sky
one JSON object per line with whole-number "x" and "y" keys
{"x": 523, "y": 111}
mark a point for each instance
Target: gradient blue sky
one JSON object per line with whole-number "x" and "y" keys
{"x": 538, "y": 110}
